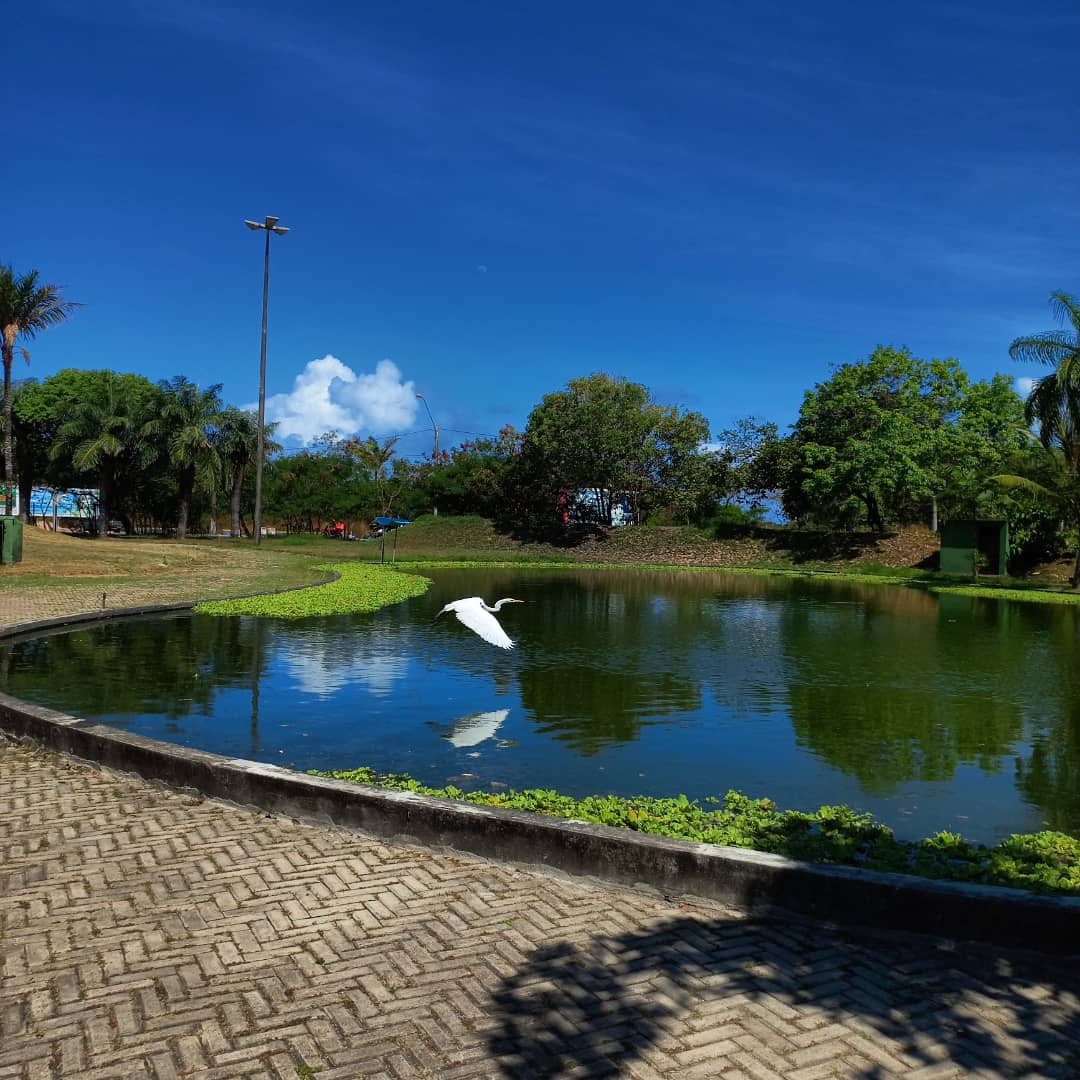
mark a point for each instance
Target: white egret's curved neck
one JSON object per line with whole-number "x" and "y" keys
{"x": 499, "y": 603}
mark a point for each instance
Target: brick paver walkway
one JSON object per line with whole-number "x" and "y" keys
{"x": 145, "y": 933}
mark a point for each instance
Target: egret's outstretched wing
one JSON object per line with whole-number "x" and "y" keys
{"x": 483, "y": 623}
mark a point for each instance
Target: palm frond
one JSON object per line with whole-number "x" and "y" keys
{"x": 1022, "y": 483}
{"x": 1066, "y": 308}
{"x": 1050, "y": 347}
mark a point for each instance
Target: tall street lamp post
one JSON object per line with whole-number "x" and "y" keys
{"x": 271, "y": 226}
{"x": 435, "y": 452}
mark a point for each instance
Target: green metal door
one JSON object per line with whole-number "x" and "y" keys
{"x": 11, "y": 538}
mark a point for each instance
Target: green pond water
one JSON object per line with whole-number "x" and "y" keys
{"x": 931, "y": 712}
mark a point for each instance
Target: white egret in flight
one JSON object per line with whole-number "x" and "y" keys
{"x": 478, "y": 617}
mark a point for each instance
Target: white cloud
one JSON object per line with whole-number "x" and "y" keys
{"x": 1023, "y": 385}
{"x": 329, "y": 396}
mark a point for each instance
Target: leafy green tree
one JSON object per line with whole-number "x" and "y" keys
{"x": 882, "y": 439}
{"x": 322, "y": 483}
{"x": 138, "y": 487}
{"x": 26, "y": 308}
{"x": 471, "y": 478}
{"x": 186, "y": 425}
{"x": 605, "y": 435}
{"x": 746, "y": 468}
{"x": 108, "y": 428}
{"x": 987, "y": 431}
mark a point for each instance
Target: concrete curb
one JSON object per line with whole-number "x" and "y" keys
{"x": 746, "y": 879}
{"x": 39, "y": 627}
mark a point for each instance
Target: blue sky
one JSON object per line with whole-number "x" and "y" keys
{"x": 717, "y": 200}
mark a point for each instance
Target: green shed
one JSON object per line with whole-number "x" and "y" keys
{"x": 969, "y": 548}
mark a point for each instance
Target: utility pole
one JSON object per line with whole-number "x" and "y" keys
{"x": 435, "y": 451}
{"x": 271, "y": 226}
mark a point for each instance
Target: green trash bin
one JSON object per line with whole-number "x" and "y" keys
{"x": 11, "y": 534}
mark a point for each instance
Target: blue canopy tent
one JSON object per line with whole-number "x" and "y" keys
{"x": 385, "y": 523}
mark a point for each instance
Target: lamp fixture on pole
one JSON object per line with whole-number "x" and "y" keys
{"x": 271, "y": 226}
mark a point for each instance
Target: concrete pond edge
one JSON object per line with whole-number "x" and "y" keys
{"x": 750, "y": 880}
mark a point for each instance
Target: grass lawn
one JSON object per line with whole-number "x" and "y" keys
{"x": 61, "y": 575}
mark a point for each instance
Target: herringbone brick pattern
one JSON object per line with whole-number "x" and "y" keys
{"x": 145, "y": 933}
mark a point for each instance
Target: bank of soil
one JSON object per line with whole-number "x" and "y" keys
{"x": 913, "y": 547}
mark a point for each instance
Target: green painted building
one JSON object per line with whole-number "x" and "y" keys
{"x": 970, "y": 548}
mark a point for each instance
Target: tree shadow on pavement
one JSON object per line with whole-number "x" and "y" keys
{"x": 702, "y": 994}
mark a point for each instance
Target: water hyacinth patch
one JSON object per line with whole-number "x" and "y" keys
{"x": 1046, "y": 862}
{"x": 357, "y": 587}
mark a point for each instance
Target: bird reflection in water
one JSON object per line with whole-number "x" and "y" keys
{"x": 476, "y": 728}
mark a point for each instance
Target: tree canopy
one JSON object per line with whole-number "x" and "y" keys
{"x": 880, "y": 439}
{"x": 107, "y": 434}
{"x": 605, "y": 435}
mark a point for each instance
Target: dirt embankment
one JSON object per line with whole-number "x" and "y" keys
{"x": 911, "y": 547}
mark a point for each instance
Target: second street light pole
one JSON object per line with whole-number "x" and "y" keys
{"x": 435, "y": 451}
{"x": 271, "y": 226}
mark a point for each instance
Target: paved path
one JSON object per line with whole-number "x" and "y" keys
{"x": 145, "y": 933}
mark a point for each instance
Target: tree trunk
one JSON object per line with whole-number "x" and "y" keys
{"x": 873, "y": 514}
{"x": 234, "y": 502}
{"x": 9, "y": 444}
{"x": 182, "y": 515}
{"x": 1076, "y": 570}
{"x": 187, "y": 484}
{"x": 103, "y": 503}
{"x": 26, "y": 487}
{"x": 933, "y": 513}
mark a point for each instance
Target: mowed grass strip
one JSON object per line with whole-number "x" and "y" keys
{"x": 358, "y": 587}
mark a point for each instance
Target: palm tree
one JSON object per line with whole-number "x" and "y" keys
{"x": 105, "y": 428}
{"x": 1053, "y": 410}
{"x": 374, "y": 457}
{"x": 1053, "y": 405}
{"x": 238, "y": 433}
{"x": 188, "y": 416}
{"x": 26, "y": 308}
